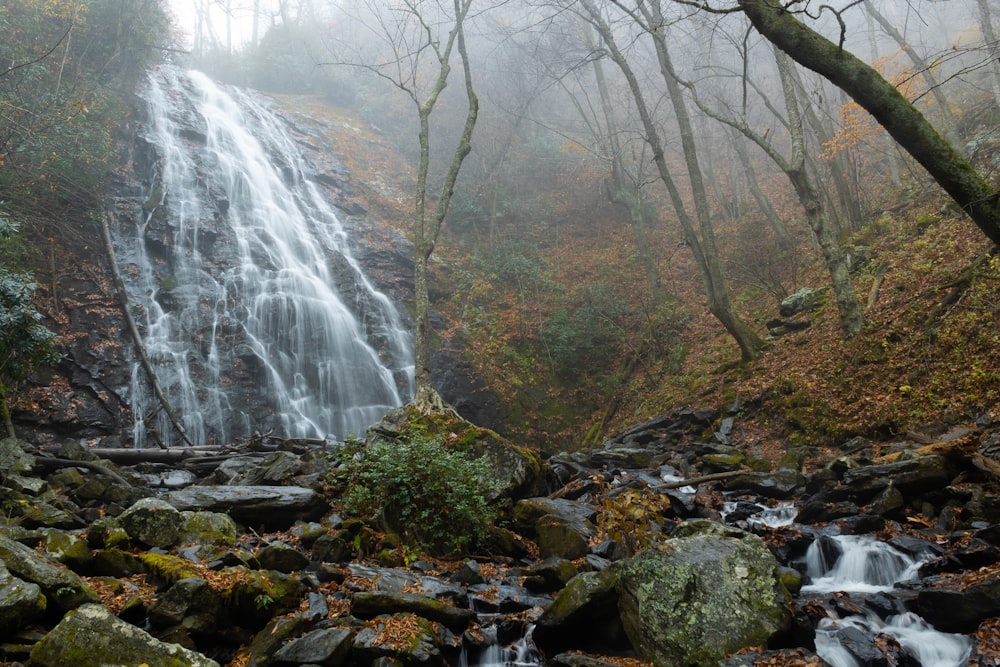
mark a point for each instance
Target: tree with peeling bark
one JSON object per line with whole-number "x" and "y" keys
{"x": 911, "y": 130}
{"x": 423, "y": 38}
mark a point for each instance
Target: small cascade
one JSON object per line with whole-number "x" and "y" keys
{"x": 255, "y": 312}
{"x": 856, "y": 564}
{"x": 917, "y": 639}
{"x": 519, "y": 653}
{"x": 862, "y": 564}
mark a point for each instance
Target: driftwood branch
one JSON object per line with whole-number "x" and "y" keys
{"x": 134, "y": 332}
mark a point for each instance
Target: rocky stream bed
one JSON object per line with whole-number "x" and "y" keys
{"x": 669, "y": 545}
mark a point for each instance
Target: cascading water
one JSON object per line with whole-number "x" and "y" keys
{"x": 862, "y": 564}
{"x": 244, "y": 271}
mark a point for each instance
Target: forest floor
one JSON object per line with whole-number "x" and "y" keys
{"x": 925, "y": 276}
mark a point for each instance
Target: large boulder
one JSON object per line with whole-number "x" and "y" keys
{"x": 21, "y": 602}
{"x": 153, "y": 522}
{"x": 92, "y": 636}
{"x": 272, "y": 506}
{"x": 563, "y": 528}
{"x": 584, "y": 615}
{"x": 62, "y": 588}
{"x": 707, "y": 592}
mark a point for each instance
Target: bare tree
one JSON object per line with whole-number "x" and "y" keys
{"x": 422, "y": 38}
{"x": 701, "y": 241}
{"x": 807, "y": 190}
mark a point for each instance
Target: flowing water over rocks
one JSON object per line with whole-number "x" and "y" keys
{"x": 244, "y": 276}
{"x": 297, "y": 585}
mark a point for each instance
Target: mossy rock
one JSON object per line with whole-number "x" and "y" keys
{"x": 92, "y": 637}
{"x": 207, "y": 528}
{"x": 169, "y": 568}
{"x": 707, "y": 592}
{"x": 259, "y": 595}
{"x": 414, "y": 641}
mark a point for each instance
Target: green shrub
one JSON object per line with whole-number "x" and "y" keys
{"x": 432, "y": 495}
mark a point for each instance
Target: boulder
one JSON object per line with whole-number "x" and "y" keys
{"x": 584, "y": 615}
{"x": 957, "y": 608}
{"x": 780, "y": 484}
{"x": 281, "y": 557}
{"x": 517, "y": 471}
{"x": 563, "y": 528}
{"x": 406, "y": 638}
{"x": 153, "y": 522}
{"x": 705, "y": 593}
{"x": 63, "y": 588}
{"x": 190, "y": 603}
{"x": 910, "y": 477}
{"x": 108, "y": 640}
{"x": 21, "y": 602}
{"x": 208, "y": 528}
{"x": 272, "y": 506}
{"x": 805, "y": 300}
{"x": 326, "y": 646}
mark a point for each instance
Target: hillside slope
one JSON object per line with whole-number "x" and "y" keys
{"x": 926, "y": 358}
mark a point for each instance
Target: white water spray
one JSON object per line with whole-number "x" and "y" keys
{"x": 242, "y": 285}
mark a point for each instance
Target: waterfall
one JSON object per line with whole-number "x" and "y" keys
{"x": 862, "y": 564}
{"x": 255, "y": 311}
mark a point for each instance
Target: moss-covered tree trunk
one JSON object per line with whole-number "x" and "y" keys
{"x": 888, "y": 106}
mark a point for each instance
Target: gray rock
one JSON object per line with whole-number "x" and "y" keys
{"x": 153, "y": 522}
{"x": 282, "y": 557}
{"x": 190, "y": 603}
{"x": 207, "y": 528}
{"x": 328, "y": 646}
{"x": 562, "y": 527}
{"x": 378, "y": 603}
{"x": 276, "y": 506}
{"x": 584, "y": 615}
{"x": 15, "y": 457}
{"x": 805, "y": 300}
{"x": 780, "y": 484}
{"x": 707, "y": 592}
{"x": 914, "y": 476}
{"x": 63, "y": 588}
{"x": 108, "y": 641}
{"x": 21, "y": 602}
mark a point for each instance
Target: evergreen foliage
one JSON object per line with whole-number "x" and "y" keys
{"x": 25, "y": 344}
{"x": 432, "y": 494}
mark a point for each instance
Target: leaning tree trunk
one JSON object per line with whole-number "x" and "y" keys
{"x": 136, "y": 337}
{"x": 893, "y": 111}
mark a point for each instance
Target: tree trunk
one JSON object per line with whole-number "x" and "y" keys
{"x": 718, "y": 298}
{"x": 427, "y": 224}
{"x": 990, "y": 39}
{"x": 719, "y": 302}
{"x": 924, "y": 69}
{"x": 893, "y": 111}
{"x": 851, "y": 317}
{"x": 624, "y": 192}
{"x": 781, "y": 234}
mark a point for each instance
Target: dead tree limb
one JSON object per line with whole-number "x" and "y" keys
{"x": 134, "y": 331}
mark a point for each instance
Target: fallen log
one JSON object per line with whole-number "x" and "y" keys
{"x": 50, "y": 463}
{"x": 692, "y": 481}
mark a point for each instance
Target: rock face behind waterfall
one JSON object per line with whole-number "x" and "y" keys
{"x": 705, "y": 593}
